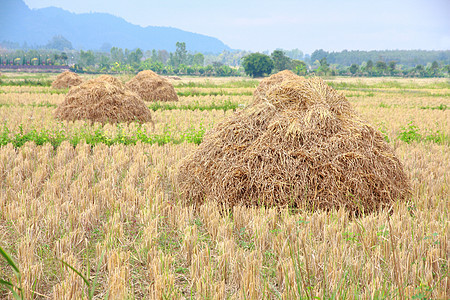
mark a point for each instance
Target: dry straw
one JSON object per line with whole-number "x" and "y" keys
{"x": 66, "y": 80}
{"x": 271, "y": 82}
{"x": 104, "y": 99}
{"x": 152, "y": 87}
{"x": 299, "y": 145}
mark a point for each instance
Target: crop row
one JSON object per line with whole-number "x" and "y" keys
{"x": 18, "y": 138}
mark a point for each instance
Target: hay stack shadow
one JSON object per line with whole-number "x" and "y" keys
{"x": 103, "y": 99}
{"x": 152, "y": 87}
{"x": 299, "y": 145}
{"x": 66, "y": 80}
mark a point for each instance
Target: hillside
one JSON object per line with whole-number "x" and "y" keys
{"x": 19, "y": 24}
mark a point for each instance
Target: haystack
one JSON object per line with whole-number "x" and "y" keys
{"x": 104, "y": 99}
{"x": 276, "y": 79}
{"x": 152, "y": 87}
{"x": 111, "y": 80}
{"x": 66, "y": 80}
{"x": 303, "y": 147}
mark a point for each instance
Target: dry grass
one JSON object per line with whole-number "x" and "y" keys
{"x": 152, "y": 87}
{"x": 104, "y": 99}
{"x": 66, "y": 80}
{"x": 77, "y": 203}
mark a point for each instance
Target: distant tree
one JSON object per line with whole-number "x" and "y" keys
{"x": 104, "y": 62}
{"x": 369, "y": 66}
{"x": 298, "y": 67}
{"x": 434, "y": 69}
{"x": 353, "y": 69}
{"x": 324, "y": 67}
{"x": 318, "y": 55}
{"x": 134, "y": 57}
{"x": 163, "y": 56}
{"x": 381, "y": 67}
{"x": 446, "y": 69}
{"x": 294, "y": 54}
{"x": 280, "y": 60}
{"x": 87, "y": 58}
{"x": 117, "y": 55}
{"x": 419, "y": 70}
{"x": 392, "y": 66}
{"x": 257, "y": 64}
{"x": 180, "y": 56}
{"x": 198, "y": 59}
{"x": 58, "y": 42}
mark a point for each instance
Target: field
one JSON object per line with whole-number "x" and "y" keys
{"x": 103, "y": 199}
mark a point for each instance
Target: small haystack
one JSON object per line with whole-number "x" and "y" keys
{"x": 303, "y": 146}
{"x": 66, "y": 80}
{"x": 103, "y": 99}
{"x": 152, "y": 87}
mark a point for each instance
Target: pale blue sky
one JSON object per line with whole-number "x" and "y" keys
{"x": 259, "y": 25}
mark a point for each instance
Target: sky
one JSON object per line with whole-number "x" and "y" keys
{"x": 258, "y": 25}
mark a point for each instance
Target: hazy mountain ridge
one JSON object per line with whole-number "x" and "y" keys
{"x": 20, "y": 24}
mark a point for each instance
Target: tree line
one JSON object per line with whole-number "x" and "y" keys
{"x": 413, "y": 63}
{"x": 259, "y": 64}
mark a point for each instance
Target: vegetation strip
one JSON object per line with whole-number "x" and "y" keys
{"x": 188, "y": 93}
{"x": 408, "y": 134}
{"x": 99, "y": 136}
{"x": 155, "y": 106}
{"x": 227, "y": 105}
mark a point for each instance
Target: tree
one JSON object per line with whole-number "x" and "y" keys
{"x": 117, "y": 55}
{"x": 58, "y": 42}
{"x": 434, "y": 68}
{"x": 87, "y": 58}
{"x": 354, "y": 68}
{"x": 280, "y": 61}
{"x": 298, "y": 67}
{"x": 324, "y": 67}
{"x": 381, "y": 66}
{"x": 163, "y": 56}
{"x": 134, "y": 57}
{"x": 392, "y": 66}
{"x": 319, "y": 55}
{"x": 198, "y": 59}
{"x": 180, "y": 56}
{"x": 369, "y": 66}
{"x": 257, "y": 64}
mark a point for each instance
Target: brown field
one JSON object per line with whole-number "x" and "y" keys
{"x": 112, "y": 212}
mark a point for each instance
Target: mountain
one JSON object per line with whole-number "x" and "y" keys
{"x": 19, "y": 24}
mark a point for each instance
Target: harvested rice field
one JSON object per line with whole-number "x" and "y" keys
{"x": 93, "y": 211}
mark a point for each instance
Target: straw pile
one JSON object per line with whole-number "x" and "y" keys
{"x": 152, "y": 87}
{"x": 272, "y": 81}
{"x": 66, "y": 80}
{"x": 301, "y": 145}
{"x": 104, "y": 99}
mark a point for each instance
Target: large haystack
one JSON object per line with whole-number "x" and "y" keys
{"x": 303, "y": 146}
{"x": 66, "y": 80}
{"x": 152, "y": 87}
{"x": 104, "y": 99}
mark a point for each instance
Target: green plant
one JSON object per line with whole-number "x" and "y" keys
{"x": 410, "y": 133}
{"x": 87, "y": 278}
{"x": 8, "y": 284}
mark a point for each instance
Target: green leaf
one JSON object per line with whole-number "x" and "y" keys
{"x": 77, "y": 272}
{"x": 10, "y": 287}
{"x": 9, "y": 260}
